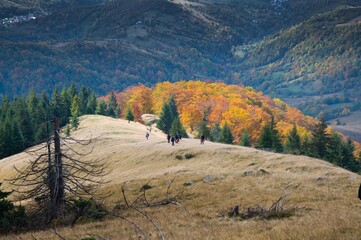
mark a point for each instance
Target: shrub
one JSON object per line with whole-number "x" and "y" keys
{"x": 145, "y": 187}
{"x": 189, "y": 155}
{"x": 12, "y": 218}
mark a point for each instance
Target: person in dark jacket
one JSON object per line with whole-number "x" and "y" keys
{"x": 172, "y": 139}
{"x": 168, "y": 137}
{"x": 177, "y": 137}
{"x": 359, "y": 192}
{"x": 202, "y": 138}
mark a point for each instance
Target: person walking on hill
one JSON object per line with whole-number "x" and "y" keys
{"x": 147, "y": 135}
{"x": 168, "y": 137}
{"x": 359, "y": 192}
{"x": 177, "y": 137}
{"x": 202, "y": 138}
{"x": 172, "y": 140}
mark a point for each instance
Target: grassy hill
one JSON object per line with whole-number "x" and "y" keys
{"x": 211, "y": 182}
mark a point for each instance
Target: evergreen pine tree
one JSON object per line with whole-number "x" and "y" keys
{"x": 67, "y": 101}
{"x": 43, "y": 115}
{"x": 113, "y": 108}
{"x": 173, "y": 108}
{"x": 101, "y": 108}
{"x": 348, "y": 160}
{"x": 334, "y": 149}
{"x": 129, "y": 115}
{"x": 203, "y": 129}
{"x": 276, "y": 139}
{"x": 12, "y": 141}
{"x": 266, "y": 139}
{"x": 215, "y": 135}
{"x": 75, "y": 112}
{"x": 177, "y": 127}
{"x": 22, "y": 116}
{"x": 72, "y": 91}
{"x": 75, "y": 106}
{"x": 118, "y": 112}
{"x": 226, "y": 135}
{"x": 320, "y": 139}
{"x": 83, "y": 99}
{"x": 246, "y": 141}
{"x": 91, "y": 104}
{"x": 306, "y": 148}
{"x": 2, "y": 142}
{"x": 74, "y": 121}
{"x": 7, "y": 144}
{"x": 67, "y": 130}
{"x": 34, "y": 112}
{"x": 293, "y": 142}
{"x": 165, "y": 119}
{"x": 11, "y": 217}
{"x": 17, "y": 138}
{"x": 58, "y": 106}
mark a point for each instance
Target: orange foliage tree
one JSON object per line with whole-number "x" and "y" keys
{"x": 241, "y": 108}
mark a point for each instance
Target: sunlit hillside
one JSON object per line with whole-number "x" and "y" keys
{"x": 212, "y": 179}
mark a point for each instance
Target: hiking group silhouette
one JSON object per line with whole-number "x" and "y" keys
{"x": 174, "y": 138}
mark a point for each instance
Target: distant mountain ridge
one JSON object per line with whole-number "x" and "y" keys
{"x": 289, "y": 49}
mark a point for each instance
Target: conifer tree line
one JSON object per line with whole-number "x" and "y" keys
{"x": 23, "y": 120}
{"x": 330, "y": 147}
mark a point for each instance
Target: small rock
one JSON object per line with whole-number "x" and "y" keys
{"x": 262, "y": 172}
{"x": 251, "y": 164}
{"x": 248, "y": 173}
{"x": 208, "y": 178}
{"x": 221, "y": 177}
{"x": 188, "y": 183}
{"x": 319, "y": 179}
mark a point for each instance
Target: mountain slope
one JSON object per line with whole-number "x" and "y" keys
{"x": 10, "y": 8}
{"x": 326, "y": 194}
{"x": 305, "y": 52}
{"x": 122, "y": 42}
{"x": 310, "y": 51}
{"x": 314, "y": 65}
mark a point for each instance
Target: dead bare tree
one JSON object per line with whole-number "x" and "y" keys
{"x": 142, "y": 201}
{"x": 56, "y": 173}
{"x": 278, "y": 209}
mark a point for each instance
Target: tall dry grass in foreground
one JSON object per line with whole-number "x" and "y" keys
{"x": 326, "y": 195}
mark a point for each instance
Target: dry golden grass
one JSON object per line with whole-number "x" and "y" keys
{"x": 326, "y": 194}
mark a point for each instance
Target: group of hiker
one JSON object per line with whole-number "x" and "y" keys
{"x": 174, "y": 138}
{"x": 177, "y": 137}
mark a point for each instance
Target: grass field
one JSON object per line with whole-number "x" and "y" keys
{"x": 209, "y": 182}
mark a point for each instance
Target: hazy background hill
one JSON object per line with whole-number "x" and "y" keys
{"x": 306, "y": 52}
